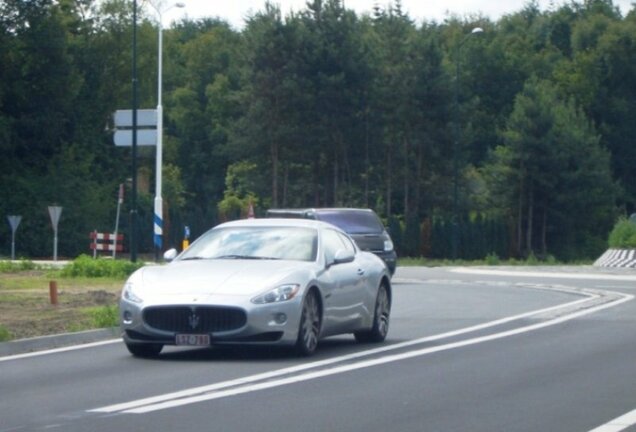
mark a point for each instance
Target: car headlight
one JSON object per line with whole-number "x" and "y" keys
{"x": 129, "y": 293}
{"x": 388, "y": 245}
{"x": 278, "y": 294}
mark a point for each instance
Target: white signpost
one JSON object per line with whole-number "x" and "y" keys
{"x": 145, "y": 118}
{"x": 55, "y": 212}
{"x": 146, "y": 127}
{"x": 145, "y": 137}
{"x": 14, "y": 221}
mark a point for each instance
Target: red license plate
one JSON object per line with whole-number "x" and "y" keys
{"x": 193, "y": 339}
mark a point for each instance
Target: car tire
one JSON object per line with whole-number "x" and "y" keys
{"x": 310, "y": 324}
{"x": 381, "y": 318}
{"x": 144, "y": 350}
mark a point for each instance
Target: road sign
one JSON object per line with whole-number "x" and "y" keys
{"x": 14, "y": 221}
{"x": 145, "y": 137}
{"x": 145, "y": 118}
{"x": 55, "y": 212}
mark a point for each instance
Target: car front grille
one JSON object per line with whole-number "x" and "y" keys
{"x": 190, "y": 319}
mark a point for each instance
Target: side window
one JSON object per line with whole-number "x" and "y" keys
{"x": 332, "y": 242}
{"x": 347, "y": 243}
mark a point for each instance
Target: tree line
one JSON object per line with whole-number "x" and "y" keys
{"x": 515, "y": 139}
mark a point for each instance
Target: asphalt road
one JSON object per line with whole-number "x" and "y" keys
{"x": 466, "y": 352}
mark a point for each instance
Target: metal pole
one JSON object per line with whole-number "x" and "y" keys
{"x": 120, "y": 201}
{"x": 158, "y": 219}
{"x": 55, "y": 245}
{"x": 133, "y": 212}
{"x": 158, "y": 207}
{"x": 13, "y": 245}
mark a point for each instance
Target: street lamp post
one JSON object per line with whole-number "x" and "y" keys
{"x": 160, "y": 7}
{"x": 133, "y": 211}
{"x": 456, "y": 143}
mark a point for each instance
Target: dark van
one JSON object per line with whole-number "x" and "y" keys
{"x": 363, "y": 225}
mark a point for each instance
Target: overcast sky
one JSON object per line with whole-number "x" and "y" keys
{"x": 234, "y": 11}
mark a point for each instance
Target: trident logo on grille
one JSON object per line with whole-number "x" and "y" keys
{"x": 193, "y": 320}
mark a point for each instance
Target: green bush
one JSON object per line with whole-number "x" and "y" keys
{"x": 4, "y": 334}
{"x": 623, "y": 236}
{"x": 492, "y": 259}
{"x": 14, "y": 267}
{"x": 85, "y": 266}
{"x": 105, "y": 316}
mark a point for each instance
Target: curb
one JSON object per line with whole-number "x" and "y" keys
{"x": 22, "y": 346}
{"x": 624, "y": 258}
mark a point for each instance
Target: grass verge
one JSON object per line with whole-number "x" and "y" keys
{"x": 87, "y": 299}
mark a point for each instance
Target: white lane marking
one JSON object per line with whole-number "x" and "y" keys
{"x": 255, "y": 382}
{"x": 327, "y": 362}
{"x": 610, "y": 286}
{"x": 59, "y": 350}
{"x": 558, "y": 275}
{"x": 618, "y": 424}
{"x": 364, "y": 364}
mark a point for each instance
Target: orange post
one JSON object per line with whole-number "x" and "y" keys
{"x": 53, "y": 292}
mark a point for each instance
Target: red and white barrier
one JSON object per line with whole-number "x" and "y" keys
{"x": 106, "y": 242}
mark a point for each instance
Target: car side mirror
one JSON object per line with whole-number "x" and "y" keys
{"x": 343, "y": 256}
{"x": 170, "y": 254}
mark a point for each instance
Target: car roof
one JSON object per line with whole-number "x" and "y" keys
{"x": 278, "y": 222}
{"x": 355, "y": 221}
{"x": 318, "y": 210}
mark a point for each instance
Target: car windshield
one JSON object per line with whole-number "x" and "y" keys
{"x": 353, "y": 222}
{"x": 273, "y": 243}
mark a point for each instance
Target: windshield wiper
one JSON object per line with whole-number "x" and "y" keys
{"x": 193, "y": 258}
{"x": 246, "y": 257}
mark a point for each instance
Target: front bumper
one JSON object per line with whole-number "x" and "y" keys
{"x": 274, "y": 323}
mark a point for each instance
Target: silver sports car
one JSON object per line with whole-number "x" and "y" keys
{"x": 258, "y": 281}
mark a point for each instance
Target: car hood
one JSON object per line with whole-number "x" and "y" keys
{"x": 219, "y": 277}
